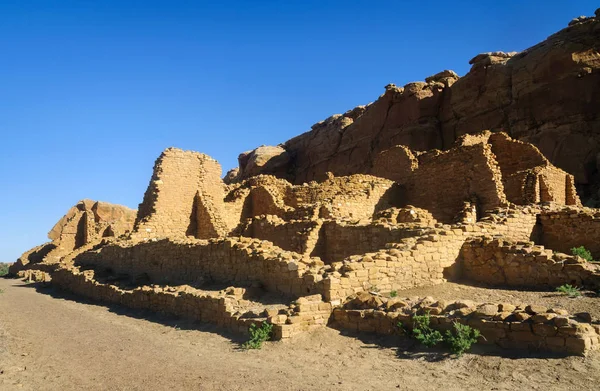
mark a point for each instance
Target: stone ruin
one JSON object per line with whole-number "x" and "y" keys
{"x": 314, "y": 232}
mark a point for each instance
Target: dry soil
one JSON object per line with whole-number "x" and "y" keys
{"x": 51, "y": 341}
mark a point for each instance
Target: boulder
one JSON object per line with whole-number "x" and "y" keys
{"x": 271, "y": 160}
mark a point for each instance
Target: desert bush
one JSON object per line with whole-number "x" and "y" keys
{"x": 583, "y": 253}
{"x": 3, "y": 269}
{"x": 393, "y": 294}
{"x": 569, "y": 290}
{"x": 258, "y": 335}
{"x": 462, "y": 338}
{"x": 459, "y": 340}
{"x": 422, "y": 331}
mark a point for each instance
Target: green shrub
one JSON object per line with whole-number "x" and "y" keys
{"x": 570, "y": 290}
{"x": 393, "y": 294}
{"x": 258, "y": 335}
{"x": 583, "y": 253}
{"x": 423, "y": 332}
{"x": 3, "y": 269}
{"x": 463, "y": 337}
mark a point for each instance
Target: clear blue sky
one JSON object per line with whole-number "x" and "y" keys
{"x": 92, "y": 91}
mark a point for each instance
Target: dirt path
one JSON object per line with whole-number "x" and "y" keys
{"x": 56, "y": 343}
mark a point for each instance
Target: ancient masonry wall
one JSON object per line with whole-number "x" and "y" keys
{"x": 240, "y": 261}
{"x": 339, "y": 240}
{"x": 445, "y": 180}
{"x": 353, "y": 197}
{"x": 266, "y": 200}
{"x": 515, "y": 222}
{"x": 299, "y": 236}
{"x": 225, "y": 308}
{"x": 429, "y": 259}
{"x": 506, "y": 325}
{"x": 571, "y": 227}
{"x": 531, "y": 178}
{"x": 183, "y": 183}
{"x": 413, "y": 263}
{"x": 498, "y": 262}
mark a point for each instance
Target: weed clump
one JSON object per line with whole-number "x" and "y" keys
{"x": 459, "y": 340}
{"x": 569, "y": 290}
{"x": 583, "y": 253}
{"x": 258, "y": 335}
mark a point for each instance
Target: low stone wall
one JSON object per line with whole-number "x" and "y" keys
{"x": 242, "y": 261}
{"x": 515, "y": 222}
{"x": 500, "y": 262}
{"x": 505, "y": 325}
{"x": 226, "y": 308}
{"x": 570, "y": 227}
{"x": 412, "y": 263}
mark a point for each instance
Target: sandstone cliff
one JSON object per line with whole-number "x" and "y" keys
{"x": 548, "y": 95}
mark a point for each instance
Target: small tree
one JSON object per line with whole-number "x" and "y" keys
{"x": 463, "y": 337}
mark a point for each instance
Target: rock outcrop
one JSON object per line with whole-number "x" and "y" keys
{"x": 548, "y": 95}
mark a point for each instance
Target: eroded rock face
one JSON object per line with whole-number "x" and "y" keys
{"x": 88, "y": 221}
{"x": 547, "y": 95}
{"x": 85, "y": 223}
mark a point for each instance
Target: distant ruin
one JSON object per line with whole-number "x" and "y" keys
{"x": 316, "y": 231}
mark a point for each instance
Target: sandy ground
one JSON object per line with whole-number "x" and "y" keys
{"x": 50, "y": 341}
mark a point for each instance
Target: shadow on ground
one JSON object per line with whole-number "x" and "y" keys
{"x": 407, "y": 348}
{"x": 177, "y": 323}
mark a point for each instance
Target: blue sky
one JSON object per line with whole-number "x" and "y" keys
{"x": 93, "y": 91}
